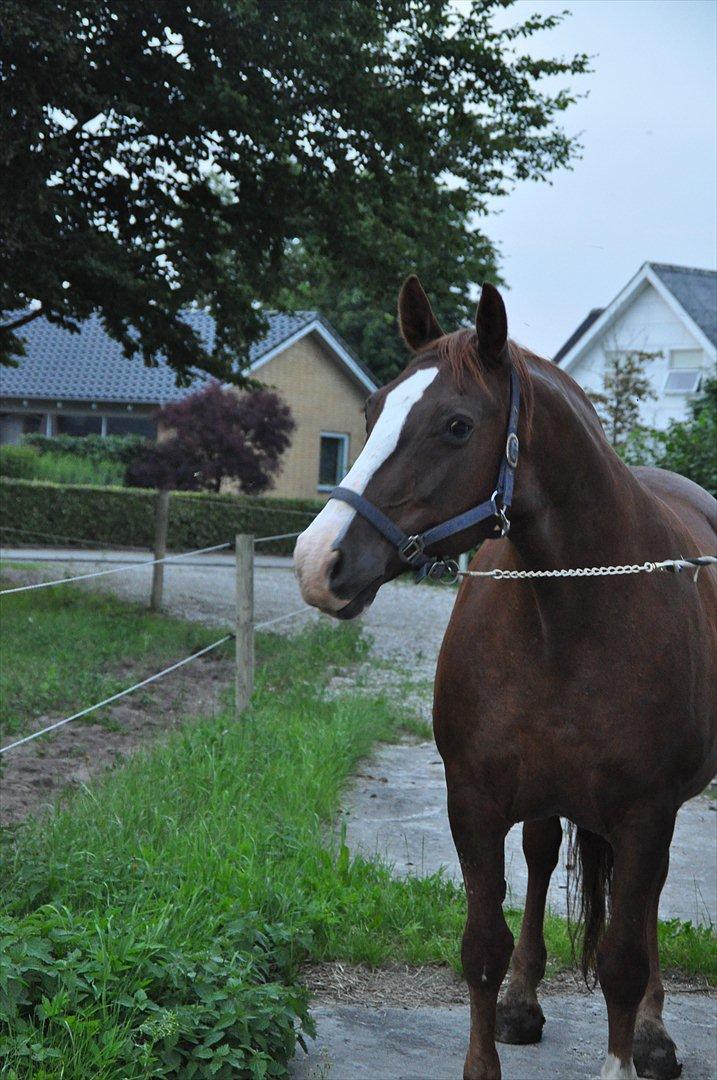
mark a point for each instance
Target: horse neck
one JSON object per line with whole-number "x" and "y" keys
{"x": 578, "y": 504}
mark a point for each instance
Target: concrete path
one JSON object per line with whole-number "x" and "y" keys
{"x": 396, "y": 808}
{"x": 355, "y": 1042}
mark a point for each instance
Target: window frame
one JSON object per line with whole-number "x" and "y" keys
{"x": 344, "y": 439}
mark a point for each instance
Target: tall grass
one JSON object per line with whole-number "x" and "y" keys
{"x": 26, "y": 463}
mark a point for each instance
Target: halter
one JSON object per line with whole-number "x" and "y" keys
{"x": 411, "y": 549}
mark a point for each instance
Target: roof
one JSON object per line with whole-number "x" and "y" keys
{"x": 690, "y": 292}
{"x": 90, "y": 365}
{"x": 577, "y": 334}
{"x": 696, "y": 291}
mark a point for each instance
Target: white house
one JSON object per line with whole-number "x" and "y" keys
{"x": 670, "y": 311}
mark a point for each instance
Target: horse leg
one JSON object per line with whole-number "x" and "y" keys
{"x": 641, "y": 848}
{"x": 487, "y": 942}
{"x": 520, "y": 1018}
{"x": 654, "y": 1051}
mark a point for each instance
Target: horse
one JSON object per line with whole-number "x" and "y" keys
{"x": 586, "y": 699}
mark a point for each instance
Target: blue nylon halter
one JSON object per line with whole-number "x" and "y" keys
{"x": 411, "y": 549}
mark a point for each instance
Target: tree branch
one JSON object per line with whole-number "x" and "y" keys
{"x": 22, "y": 320}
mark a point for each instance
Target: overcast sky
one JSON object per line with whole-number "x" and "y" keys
{"x": 645, "y": 188}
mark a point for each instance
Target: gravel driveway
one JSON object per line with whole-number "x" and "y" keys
{"x": 406, "y": 622}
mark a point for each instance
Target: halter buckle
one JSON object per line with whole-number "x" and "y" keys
{"x": 503, "y": 523}
{"x": 411, "y": 549}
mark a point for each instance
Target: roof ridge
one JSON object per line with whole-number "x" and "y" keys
{"x": 682, "y": 269}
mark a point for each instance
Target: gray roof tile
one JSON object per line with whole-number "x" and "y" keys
{"x": 696, "y": 291}
{"x": 90, "y": 365}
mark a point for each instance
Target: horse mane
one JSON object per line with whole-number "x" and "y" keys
{"x": 460, "y": 351}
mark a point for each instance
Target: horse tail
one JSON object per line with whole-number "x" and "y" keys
{"x": 589, "y": 888}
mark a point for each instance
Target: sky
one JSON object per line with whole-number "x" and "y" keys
{"x": 645, "y": 188}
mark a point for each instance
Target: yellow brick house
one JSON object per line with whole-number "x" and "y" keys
{"x": 82, "y": 384}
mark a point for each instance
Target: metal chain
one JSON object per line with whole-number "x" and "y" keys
{"x": 675, "y": 565}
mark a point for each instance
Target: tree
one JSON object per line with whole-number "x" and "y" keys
{"x": 687, "y": 446}
{"x": 156, "y": 154}
{"x": 217, "y": 434}
{"x": 625, "y": 387}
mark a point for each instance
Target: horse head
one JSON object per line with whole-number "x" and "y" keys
{"x": 436, "y": 437}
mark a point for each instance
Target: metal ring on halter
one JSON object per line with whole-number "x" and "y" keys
{"x": 512, "y": 448}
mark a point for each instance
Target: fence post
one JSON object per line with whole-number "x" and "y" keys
{"x": 463, "y": 561}
{"x": 161, "y": 521}
{"x": 244, "y": 630}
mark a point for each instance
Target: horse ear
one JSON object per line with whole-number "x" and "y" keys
{"x": 491, "y": 324}
{"x": 419, "y": 326}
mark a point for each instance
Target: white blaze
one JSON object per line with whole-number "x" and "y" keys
{"x": 314, "y": 553}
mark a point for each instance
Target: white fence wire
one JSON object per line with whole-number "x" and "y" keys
{"x": 304, "y": 610}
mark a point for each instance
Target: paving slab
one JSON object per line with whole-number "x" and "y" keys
{"x": 396, "y": 807}
{"x": 356, "y": 1042}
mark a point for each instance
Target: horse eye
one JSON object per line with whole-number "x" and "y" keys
{"x": 459, "y": 428}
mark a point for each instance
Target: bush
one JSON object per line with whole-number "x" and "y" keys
{"x": 18, "y": 462}
{"x": 125, "y": 516}
{"x": 120, "y": 448}
{"x": 24, "y": 462}
{"x": 232, "y": 1006}
{"x": 217, "y": 434}
{"x": 688, "y": 447}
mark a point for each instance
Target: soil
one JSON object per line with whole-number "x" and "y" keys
{"x": 407, "y": 987}
{"x": 35, "y": 775}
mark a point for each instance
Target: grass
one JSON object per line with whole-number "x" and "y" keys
{"x": 165, "y": 911}
{"x": 62, "y": 648}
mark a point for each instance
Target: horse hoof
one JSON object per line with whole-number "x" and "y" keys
{"x": 519, "y": 1022}
{"x": 654, "y": 1053}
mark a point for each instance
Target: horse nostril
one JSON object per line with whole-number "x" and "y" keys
{"x": 336, "y": 566}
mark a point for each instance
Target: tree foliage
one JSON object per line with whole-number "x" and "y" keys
{"x": 625, "y": 387}
{"x": 687, "y": 446}
{"x": 254, "y": 152}
{"x": 217, "y": 434}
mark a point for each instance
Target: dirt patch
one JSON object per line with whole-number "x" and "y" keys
{"x": 35, "y": 775}
{"x": 407, "y": 987}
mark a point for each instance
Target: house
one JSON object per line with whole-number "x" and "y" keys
{"x": 81, "y": 383}
{"x": 668, "y": 311}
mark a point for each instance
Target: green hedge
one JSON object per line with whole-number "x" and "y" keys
{"x": 37, "y": 512}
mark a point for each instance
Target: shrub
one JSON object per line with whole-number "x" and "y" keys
{"x": 687, "y": 446}
{"x": 172, "y": 1012}
{"x": 24, "y": 462}
{"x": 18, "y": 462}
{"x": 125, "y": 516}
{"x": 217, "y": 434}
{"x": 120, "y": 448}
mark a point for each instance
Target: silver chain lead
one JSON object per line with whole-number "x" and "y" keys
{"x": 675, "y": 565}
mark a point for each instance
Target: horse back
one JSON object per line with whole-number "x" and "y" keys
{"x": 694, "y": 507}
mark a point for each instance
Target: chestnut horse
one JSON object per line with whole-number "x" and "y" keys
{"x": 590, "y": 699}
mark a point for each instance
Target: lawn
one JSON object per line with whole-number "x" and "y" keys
{"x": 155, "y": 925}
{"x": 65, "y": 647}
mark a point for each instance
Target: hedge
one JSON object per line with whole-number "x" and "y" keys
{"x": 38, "y": 512}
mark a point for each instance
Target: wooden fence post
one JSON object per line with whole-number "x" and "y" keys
{"x": 244, "y": 630}
{"x": 161, "y": 522}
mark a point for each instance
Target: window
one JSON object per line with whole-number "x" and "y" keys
{"x": 333, "y": 459}
{"x": 77, "y": 424}
{"x": 132, "y": 425}
{"x": 685, "y": 372}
